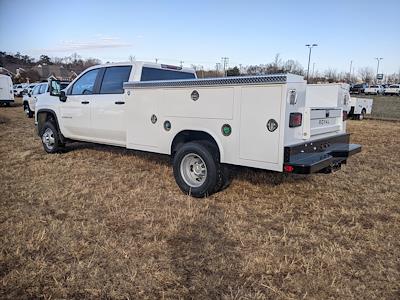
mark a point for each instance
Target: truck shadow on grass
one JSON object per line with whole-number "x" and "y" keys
{"x": 204, "y": 259}
{"x": 251, "y": 175}
{"x": 263, "y": 177}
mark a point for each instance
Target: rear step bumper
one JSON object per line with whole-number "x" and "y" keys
{"x": 323, "y": 155}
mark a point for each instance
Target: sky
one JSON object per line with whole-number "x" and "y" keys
{"x": 201, "y": 32}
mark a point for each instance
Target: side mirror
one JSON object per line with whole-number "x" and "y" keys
{"x": 63, "y": 96}
{"x": 54, "y": 88}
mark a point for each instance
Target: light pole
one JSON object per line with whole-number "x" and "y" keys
{"x": 309, "y": 57}
{"x": 312, "y": 74}
{"x": 377, "y": 67}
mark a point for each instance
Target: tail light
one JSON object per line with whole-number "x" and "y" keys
{"x": 344, "y": 115}
{"x": 295, "y": 119}
{"x": 288, "y": 168}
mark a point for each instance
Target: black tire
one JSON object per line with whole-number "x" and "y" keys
{"x": 224, "y": 178}
{"x": 49, "y": 131}
{"x": 209, "y": 156}
{"x": 362, "y": 115}
{"x": 28, "y": 111}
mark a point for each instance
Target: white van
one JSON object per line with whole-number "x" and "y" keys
{"x": 6, "y": 90}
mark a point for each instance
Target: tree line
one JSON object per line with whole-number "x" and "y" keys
{"x": 76, "y": 63}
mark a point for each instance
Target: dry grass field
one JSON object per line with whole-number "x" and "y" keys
{"x": 103, "y": 222}
{"x": 385, "y": 107}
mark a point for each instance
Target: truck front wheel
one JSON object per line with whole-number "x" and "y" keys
{"x": 197, "y": 169}
{"x": 28, "y": 111}
{"x": 50, "y": 138}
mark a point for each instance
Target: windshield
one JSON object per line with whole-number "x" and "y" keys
{"x": 374, "y": 87}
{"x": 394, "y": 86}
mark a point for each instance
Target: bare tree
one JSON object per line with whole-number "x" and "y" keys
{"x": 331, "y": 75}
{"x": 293, "y": 66}
{"x": 366, "y": 74}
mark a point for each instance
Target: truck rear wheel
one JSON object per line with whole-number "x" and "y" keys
{"x": 362, "y": 115}
{"x": 51, "y": 138}
{"x": 197, "y": 170}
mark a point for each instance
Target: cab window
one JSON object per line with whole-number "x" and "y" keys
{"x": 36, "y": 90}
{"x": 85, "y": 84}
{"x": 42, "y": 88}
{"x": 150, "y": 74}
{"x": 114, "y": 78}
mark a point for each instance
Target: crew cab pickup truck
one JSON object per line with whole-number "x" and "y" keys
{"x": 393, "y": 89}
{"x": 204, "y": 124}
{"x": 374, "y": 90}
{"x": 358, "y": 88}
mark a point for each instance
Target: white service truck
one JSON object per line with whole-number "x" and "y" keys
{"x": 6, "y": 90}
{"x": 358, "y": 108}
{"x": 204, "y": 124}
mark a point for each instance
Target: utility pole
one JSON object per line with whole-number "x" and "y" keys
{"x": 218, "y": 67}
{"x": 351, "y": 65}
{"x": 377, "y": 67}
{"x": 181, "y": 63}
{"x": 202, "y": 71}
{"x": 156, "y": 60}
{"x": 225, "y": 61}
{"x": 310, "y": 46}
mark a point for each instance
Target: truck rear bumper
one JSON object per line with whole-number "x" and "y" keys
{"x": 323, "y": 155}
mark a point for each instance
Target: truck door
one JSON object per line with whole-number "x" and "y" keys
{"x": 258, "y": 106}
{"x": 75, "y": 111}
{"x": 108, "y": 108}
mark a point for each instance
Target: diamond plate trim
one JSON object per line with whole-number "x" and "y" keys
{"x": 267, "y": 79}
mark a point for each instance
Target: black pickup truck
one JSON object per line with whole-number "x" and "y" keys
{"x": 358, "y": 88}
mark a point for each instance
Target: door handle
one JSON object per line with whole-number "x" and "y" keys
{"x": 85, "y": 102}
{"x": 119, "y": 102}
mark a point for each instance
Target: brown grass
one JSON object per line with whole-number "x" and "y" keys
{"x": 385, "y": 107}
{"x": 104, "y": 222}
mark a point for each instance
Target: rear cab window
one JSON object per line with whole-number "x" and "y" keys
{"x": 114, "y": 78}
{"x": 152, "y": 74}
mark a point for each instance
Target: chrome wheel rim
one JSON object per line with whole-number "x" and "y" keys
{"x": 48, "y": 138}
{"x": 193, "y": 170}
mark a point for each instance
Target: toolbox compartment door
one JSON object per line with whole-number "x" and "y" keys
{"x": 258, "y": 106}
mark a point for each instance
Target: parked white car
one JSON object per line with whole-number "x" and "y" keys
{"x": 6, "y": 90}
{"x": 358, "y": 108}
{"x": 204, "y": 124}
{"x": 39, "y": 90}
{"x": 28, "y": 89}
{"x": 19, "y": 88}
{"x": 374, "y": 90}
{"x": 393, "y": 89}
{"x": 29, "y": 100}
